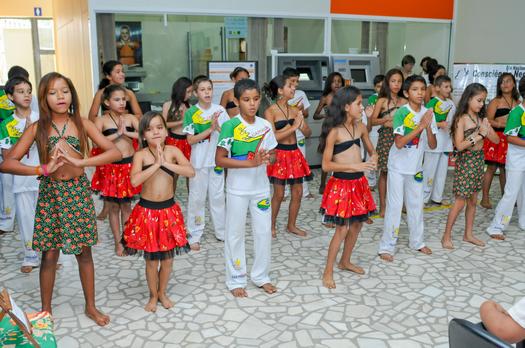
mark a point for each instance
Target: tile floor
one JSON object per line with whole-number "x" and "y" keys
{"x": 404, "y": 304}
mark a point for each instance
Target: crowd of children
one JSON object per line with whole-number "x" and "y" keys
{"x": 232, "y": 156}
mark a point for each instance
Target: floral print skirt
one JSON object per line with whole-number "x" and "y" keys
{"x": 469, "y": 172}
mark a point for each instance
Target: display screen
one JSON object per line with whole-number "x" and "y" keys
{"x": 305, "y": 74}
{"x": 358, "y": 75}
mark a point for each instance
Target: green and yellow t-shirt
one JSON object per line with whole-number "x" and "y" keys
{"x": 6, "y": 106}
{"x": 443, "y": 110}
{"x": 516, "y": 127}
{"x": 372, "y": 100}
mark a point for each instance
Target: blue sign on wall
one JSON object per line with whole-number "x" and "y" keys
{"x": 37, "y": 11}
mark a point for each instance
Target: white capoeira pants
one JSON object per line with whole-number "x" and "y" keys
{"x": 25, "y": 217}
{"x": 7, "y": 215}
{"x": 403, "y": 187}
{"x": 435, "y": 168}
{"x": 306, "y": 191}
{"x": 371, "y": 175}
{"x": 209, "y": 182}
{"x": 234, "y": 246}
{"x": 513, "y": 193}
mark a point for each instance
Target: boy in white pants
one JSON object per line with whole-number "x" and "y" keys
{"x": 515, "y": 168}
{"x": 299, "y": 100}
{"x": 435, "y": 164}
{"x": 244, "y": 147}
{"x": 25, "y": 188}
{"x": 405, "y": 179}
{"x": 202, "y": 123}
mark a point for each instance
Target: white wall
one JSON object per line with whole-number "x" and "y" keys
{"x": 489, "y": 31}
{"x": 345, "y": 34}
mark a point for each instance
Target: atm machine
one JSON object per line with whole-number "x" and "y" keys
{"x": 359, "y": 68}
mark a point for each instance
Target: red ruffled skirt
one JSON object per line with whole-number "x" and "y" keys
{"x": 290, "y": 166}
{"x": 157, "y": 229}
{"x": 346, "y": 199}
{"x": 181, "y": 142}
{"x": 496, "y": 153}
{"x": 98, "y": 175}
{"x": 116, "y": 184}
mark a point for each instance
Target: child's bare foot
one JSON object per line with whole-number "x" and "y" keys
{"x": 348, "y": 266}
{"x": 269, "y": 288}
{"x": 28, "y": 269}
{"x": 103, "y": 214}
{"x": 485, "y": 204}
{"x": 297, "y": 231}
{"x": 239, "y": 292}
{"x": 97, "y": 316}
{"x": 425, "y": 250}
{"x": 474, "y": 241}
{"x": 386, "y": 257}
{"x": 500, "y": 236}
{"x": 165, "y": 301}
{"x": 369, "y": 221}
{"x": 195, "y": 246}
{"x": 328, "y": 281}
{"x": 274, "y": 232}
{"x": 151, "y": 306}
{"x": 382, "y": 213}
{"x": 447, "y": 244}
{"x": 309, "y": 196}
{"x": 119, "y": 250}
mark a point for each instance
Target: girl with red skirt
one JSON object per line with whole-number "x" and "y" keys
{"x": 290, "y": 166}
{"x": 507, "y": 97}
{"x": 114, "y": 182}
{"x": 347, "y": 201}
{"x": 156, "y": 225}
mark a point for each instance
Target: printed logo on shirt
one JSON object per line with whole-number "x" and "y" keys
{"x": 263, "y": 204}
{"x": 418, "y": 177}
{"x": 236, "y": 264}
{"x": 405, "y": 124}
{"x": 218, "y": 170}
{"x": 440, "y": 108}
{"x": 301, "y": 142}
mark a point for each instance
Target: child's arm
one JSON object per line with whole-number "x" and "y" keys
{"x": 459, "y": 138}
{"x": 375, "y": 120}
{"x": 304, "y": 127}
{"x": 137, "y": 175}
{"x": 222, "y": 159}
{"x": 135, "y": 107}
{"x": 402, "y": 140}
{"x": 491, "y": 115}
{"x": 486, "y": 131}
{"x": 329, "y": 165}
{"x": 431, "y": 130}
{"x": 95, "y": 106}
{"x": 498, "y": 322}
{"x": 317, "y": 113}
{"x": 195, "y": 138}
{"x": 135, "y": 123}
{"x": 181, "y": 166}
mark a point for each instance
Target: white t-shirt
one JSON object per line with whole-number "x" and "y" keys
{"x": 409, "y": 159}
{"x": 198, "y": 120}
{"x": 444, "y": 110}
{"x": 299, "y": 97}
{"x": 13, "y": 127}
{"x": 516, "y": 127}
{"x": 242, "y": 140}
{"x": 517, "y": 312}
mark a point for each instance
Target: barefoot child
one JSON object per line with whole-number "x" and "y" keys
{"x": 120, "y": 128}
{"x": 469, "y": 129}
{"x": 245, "y": 145}
{"x": 347, "y": 201}
{"x": 413, "y": 126}
{"x": 435, "y": 163}
{"x": 515, "y": 168}
{"x": 63, "y": 224}
{"x": 156, "y": 225}
{"x": 290, "y": 167}
{"x": 25, "y": 188}
{"x": 202, "y": 123}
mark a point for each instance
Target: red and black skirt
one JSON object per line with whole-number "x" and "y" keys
{"x": 290, "y": 166}
{"x": 496, "y": 154}
{"x": 346, "y": 199}
{"x": 116, "y": 183}
{"x": 181, "y": 142}
{"x": 98, "y": 175}
{"x": 156, "y": 229}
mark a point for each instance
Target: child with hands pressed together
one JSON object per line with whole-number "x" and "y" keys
{"x": 347, "y": 201}
{"x": 245, "y": 147}
{"x": 156, "y": 225}
{"x": 65, "y": 216}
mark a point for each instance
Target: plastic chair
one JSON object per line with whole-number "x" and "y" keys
{"x": 464, "y": 334}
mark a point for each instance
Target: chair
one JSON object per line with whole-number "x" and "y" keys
{"x": 464, "y": 334}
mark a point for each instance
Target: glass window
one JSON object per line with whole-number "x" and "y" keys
{"x": 16, "y": 47}
{"x": 47, "y": 63}
{"x": 45, "y": 34}
{"x": 346, "y": 36}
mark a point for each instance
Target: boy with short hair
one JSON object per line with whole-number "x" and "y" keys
{"x": 435, "y": 164}
{"x": 25, "y": 188}
{"x": 413, "y": 126}
{"x": 515, "y": 169}
{"x": 245, "y": 146}
{"x": 202, "y": 123}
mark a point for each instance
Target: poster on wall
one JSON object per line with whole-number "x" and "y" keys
{"x": 219, "y": 73}
{"x": 486, "y": 74}
{"x": 128, "y": 36}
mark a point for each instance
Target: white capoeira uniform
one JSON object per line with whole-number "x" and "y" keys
{"x": 25, "y": 188}
{"x": 247, "y": 189}
{"x": 435, "y": 162}
{"x": 209, "y": 179}
{"x": 405, "y": 180}
{"x": 299, "y": 97}
{"x": 371, "y": 175}
{"x": 7, "y": 213}
{"x": 515, "y": 170}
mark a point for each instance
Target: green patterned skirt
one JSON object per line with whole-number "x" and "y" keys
{"x": 384, "y": 143}
{"x": 65, "y": 216}
{"x": 468, "y": 174}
